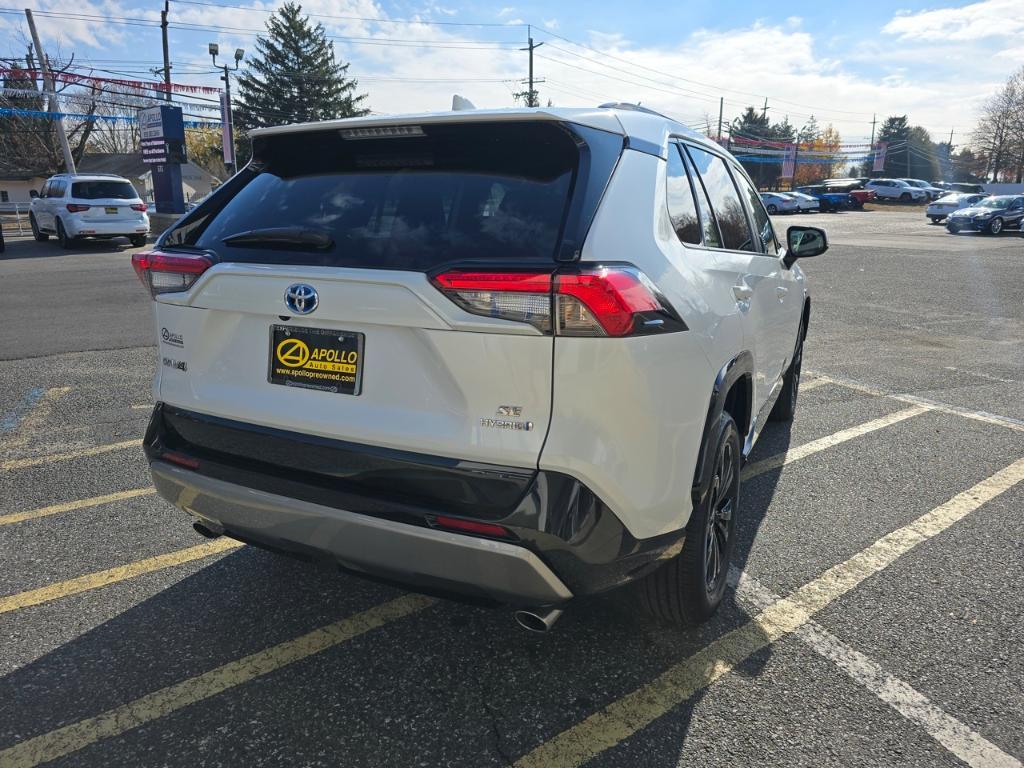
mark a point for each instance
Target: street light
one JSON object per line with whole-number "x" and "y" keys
{"x": 229, "y": 139}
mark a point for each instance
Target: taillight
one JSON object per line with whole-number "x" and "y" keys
{"x": 169, "y": 273}
{"x": 140, "y": 207}
{"x": 592, "y": 301}
{"x": 77, "y": 207}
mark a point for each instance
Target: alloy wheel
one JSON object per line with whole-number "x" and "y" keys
{"x": 996, "y": 226}
{"x": 718, "y": 529}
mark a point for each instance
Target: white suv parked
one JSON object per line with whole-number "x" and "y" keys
{"x": 100, "y": 205}
{"x": 896, "y": 189}
{"x": 516, "y": 354}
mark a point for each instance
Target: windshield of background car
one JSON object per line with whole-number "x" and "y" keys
{"x": 456, "y": 192}
{"x": 103, "y": 190}
{"x": 995, "y": 202}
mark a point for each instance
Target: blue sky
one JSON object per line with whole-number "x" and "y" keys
{"x": 841, "y": 62}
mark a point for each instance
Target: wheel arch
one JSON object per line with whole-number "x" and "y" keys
{"x": 732, "y": 392}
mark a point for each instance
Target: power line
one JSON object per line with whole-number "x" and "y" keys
{"x": 358, "y": 18}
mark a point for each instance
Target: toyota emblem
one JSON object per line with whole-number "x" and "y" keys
{"x": 301, "y": 298}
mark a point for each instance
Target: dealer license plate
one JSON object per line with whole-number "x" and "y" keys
{"x": 316, "y": 358}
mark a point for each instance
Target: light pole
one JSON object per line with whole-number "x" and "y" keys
{"x": 228, "y": 131}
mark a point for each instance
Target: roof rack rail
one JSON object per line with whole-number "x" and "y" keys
{"x": 631, "y": 107}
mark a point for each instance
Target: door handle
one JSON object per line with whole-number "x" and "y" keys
{"x": 742, "y": 291}
{"x": 781, "y": 291}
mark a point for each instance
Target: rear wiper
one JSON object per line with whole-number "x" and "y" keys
{"x": 283, "y": 237}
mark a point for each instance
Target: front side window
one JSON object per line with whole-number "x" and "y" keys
{"x": 725, "y": 200}
{"x": 762, "y": 222}
{"x": 682, "y": 209}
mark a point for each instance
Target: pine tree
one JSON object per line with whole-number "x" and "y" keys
{"x": 294, "y": 76}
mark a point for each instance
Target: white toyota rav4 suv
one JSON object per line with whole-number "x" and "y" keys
{"x": 515, "y": 354}
{"x": 100, "y": 205}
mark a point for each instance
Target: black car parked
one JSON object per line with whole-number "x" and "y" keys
{"x": 991, "y": 215}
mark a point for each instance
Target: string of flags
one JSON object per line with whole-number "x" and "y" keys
{"x": 74, "y": 78}
{"x": 14, "y": 93}
{"x": 35, "y": 113}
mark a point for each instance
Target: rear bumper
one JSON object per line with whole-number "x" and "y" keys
{"x": 125, "y": 227}
{"x": 382, "y": 548}
{"x": 374, "y": 511}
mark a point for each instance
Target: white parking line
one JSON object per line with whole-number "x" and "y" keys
{"x": 969, "y": 746}
{"x": 35, "y": 416}
{"x": 955, "y": 410}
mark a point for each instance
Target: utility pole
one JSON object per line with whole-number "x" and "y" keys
{"x": 764, "y": 112}
{"x": 228, "y": 126}
{"x": 871, "y": 153}
{"x": 167, "y": 55}
{"x": 531, "y": 95}
{"x": 721, "y": 106}
{"x": 44, "y": 64}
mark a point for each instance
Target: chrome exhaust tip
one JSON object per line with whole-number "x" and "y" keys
{"x": 537, "y": 621}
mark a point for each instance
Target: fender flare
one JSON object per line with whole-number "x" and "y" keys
{"x": 742, "y": 365}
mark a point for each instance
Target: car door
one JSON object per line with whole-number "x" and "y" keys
{"x": 39, "y": 207}
{"x": 756, "y": 276}
{"x": 1015, "y": 214}
{"x": 787, "y": 308}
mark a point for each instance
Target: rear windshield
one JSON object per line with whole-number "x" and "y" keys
{"x": 102, "y": 190}
{"x": 497, "y": 191}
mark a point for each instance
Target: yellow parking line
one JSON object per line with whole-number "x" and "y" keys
{"x": 35, "y": 461}
{"x": 814, "y": 446}
{"x": 809, "y": 384}
{"x": 71, "y": 738}
{"x": 638, "y": 709}
{"x": 71, "y": 506}
{"x": 114, "y": 575}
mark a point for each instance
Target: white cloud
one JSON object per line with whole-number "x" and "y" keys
{"x": 506, "y": 11}
{"x": 551, "y": 24}
{"x": 988, "y": 18}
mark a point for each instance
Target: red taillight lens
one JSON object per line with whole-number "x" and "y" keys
{"x": 169, "y": 273}
{"x": 472, "y": 526}
{"x": 608, "y": 298}
{"x": 140, "y": 207}
{"x": 77, "y": 208}
{"x": 601, "y": 301}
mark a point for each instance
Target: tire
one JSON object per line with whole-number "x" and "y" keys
{"x": 935, "y": 219}
{"x": 137, "y": 240}
{"x": 688, "y": 589}
{"x": 40, "y": 237}
{"x": 905, "y": 197}
{"x": 995, "y": 226}
{"x": 773, "y": 209}
{"x": 67, "y": 243}
{"x": 953, "y": 229}
{"x": 785, "y": 407}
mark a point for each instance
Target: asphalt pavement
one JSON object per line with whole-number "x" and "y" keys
{"x": 875, "y": 619}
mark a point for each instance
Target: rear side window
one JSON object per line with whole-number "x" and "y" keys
{"x": 459, "y": 192}
{"x": 682, "y": 208}
{"x": 732, "y": 219}
{"x": 762, "y": 222}
{"x": 100, "y": 190}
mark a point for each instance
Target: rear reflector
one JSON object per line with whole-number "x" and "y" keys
{"x": 599, "y": 301}
{"x": 180, "y": 459}
{"x": 472, "y": 526}
{"x": 169, "y": 273}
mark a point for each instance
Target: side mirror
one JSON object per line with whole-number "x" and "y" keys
{"x": 804, "y": 242}
{"x": 33, "y": 194}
